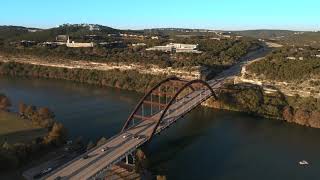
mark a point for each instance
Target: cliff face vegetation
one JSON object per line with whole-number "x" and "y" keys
{"x": 131, "y": 80}
{"x": 249, "y": 98}
{"x": 293, "y": 70}
{"x": 304, "y": 111}
{"x": 252, "y": 99}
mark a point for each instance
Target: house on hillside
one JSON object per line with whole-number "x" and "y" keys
{"x": 214, "y": 38}
{"x": 155, "y": 37}
{"x": 27, "y": 43}
{"x": 62, "y": 38}
{"x": 291, "y": 58}
{"x": 114, "y": 44}
{"x": 93, "y": 37}
{"x": 138, "y": 44}
{"x": 176, "y": 47}
{"x": 78, "y": 45}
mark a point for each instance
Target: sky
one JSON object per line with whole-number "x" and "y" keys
{"x": 140, "y": 14}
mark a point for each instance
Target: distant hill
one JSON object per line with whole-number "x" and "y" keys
{"x": 266, "y": 34}
{"x": 179, "y": 31}
{"x": 286, "y": 37}
{"x": 78, "y": 31}
{"x": 303, "y": 39}
{"x": 74, "y": 30}
{"x": 7, "y": 32}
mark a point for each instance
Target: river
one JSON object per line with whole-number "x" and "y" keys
{"x": 207, "y": 144}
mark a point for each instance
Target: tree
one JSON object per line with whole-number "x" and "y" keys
{"x": 7, "y": 146}
{"x": 141, "y": 161}
{"x": 22, "y": 108}
{"x": 45, "y": 113}
{"x": 250, "y": 99}
{"x": 160, "y": 177}
{"x": 29, "y": 111}
{"x": 101, "y": 141}
{"x": 90, "y": 145}
{"x": 57, "y": 135}
{"x": 4, "y": 103}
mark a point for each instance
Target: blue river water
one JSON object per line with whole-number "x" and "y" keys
{"x": 207, "y": 144}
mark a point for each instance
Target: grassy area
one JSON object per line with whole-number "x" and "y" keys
{"x": 13, "y": 129}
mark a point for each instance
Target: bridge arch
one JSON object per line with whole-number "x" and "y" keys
{"x": 173, "y": 83}
{"x": 145, "y": 97}
{"x": 189, "y": 84}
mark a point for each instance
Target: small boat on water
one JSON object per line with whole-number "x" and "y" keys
{"x": 303, "y": 162}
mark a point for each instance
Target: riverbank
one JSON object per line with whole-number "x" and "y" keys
{"x": 255, "y": 100}
{"x": 26, "y": 135}
{"x": 184, "y": 73}
{"x": 129, "y": 79}
{"x": 230, "y": 138}
{"x": 245, "y": 97}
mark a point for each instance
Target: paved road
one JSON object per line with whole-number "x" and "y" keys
{"x": 119, "y": 146}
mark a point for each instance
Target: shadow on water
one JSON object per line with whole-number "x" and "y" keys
{"x": 181, "y": 138}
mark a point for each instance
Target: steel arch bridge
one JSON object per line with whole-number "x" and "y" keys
{"x": 166, "y": 98}
{"x": 160, "y": 107}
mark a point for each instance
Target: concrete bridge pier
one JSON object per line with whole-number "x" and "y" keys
{"x": 130, "y": 159}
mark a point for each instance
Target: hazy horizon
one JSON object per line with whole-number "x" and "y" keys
{"x": 144, "y": 14}
{"x": 165, "y": 28}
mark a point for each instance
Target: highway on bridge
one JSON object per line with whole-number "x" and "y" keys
{"x": 124, "y": 143}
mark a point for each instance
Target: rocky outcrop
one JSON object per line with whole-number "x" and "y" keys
{"x": 314, "y": 120}
{"x": 288, "y": 113}
{"x": 189, "y": 73}
{"x": 302, "y": 117}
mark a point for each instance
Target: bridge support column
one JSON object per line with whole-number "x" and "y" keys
{"x": 130, "y": 159}
{"x": 127, "y": 160}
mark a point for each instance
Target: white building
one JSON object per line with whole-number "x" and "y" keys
{"x": 139, "y": 44}
{"x": 218, "y": 39}
{"x": 291, "y": 58}
{"x": 183, "y": 46}
{"x": 62, "y": 38}
{"x": 176, "y": 47}
{"x": 154, "y": 37}
{"x": 78, "y": 45}
{"x": 161, "y": 48}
